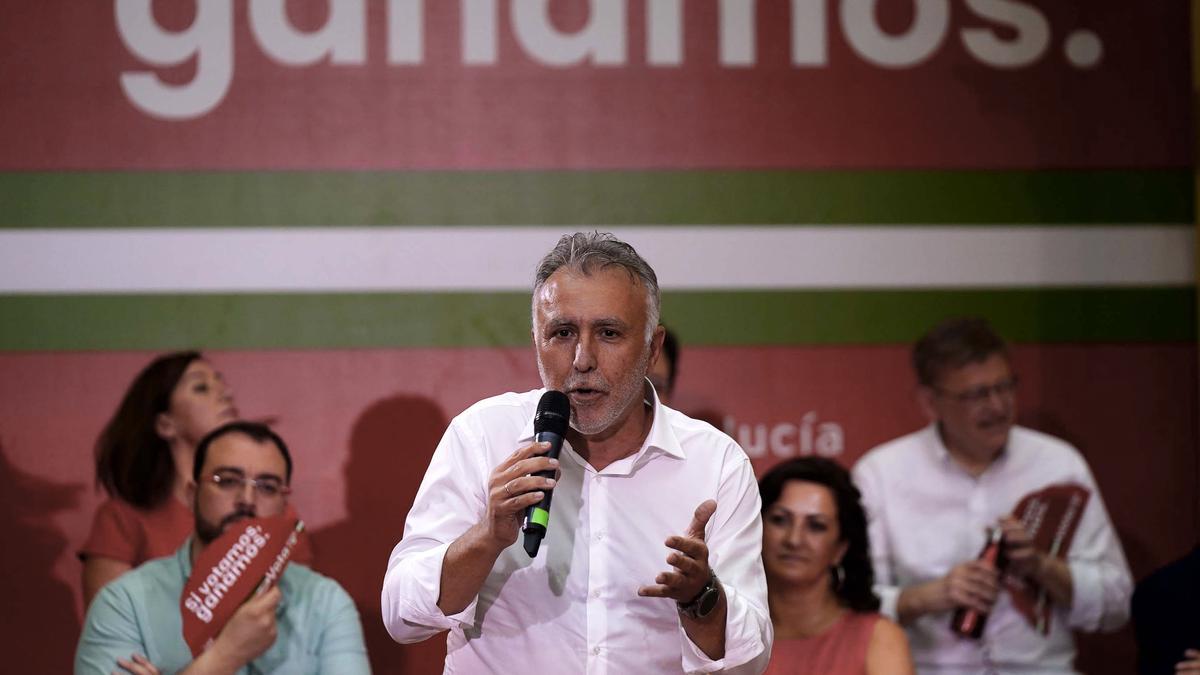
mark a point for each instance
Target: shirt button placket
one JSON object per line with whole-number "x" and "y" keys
{"x": 598, "y": 577}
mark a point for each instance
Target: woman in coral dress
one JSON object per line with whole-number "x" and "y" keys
{"x": 819, "y": 576}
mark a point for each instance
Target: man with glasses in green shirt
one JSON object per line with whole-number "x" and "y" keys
{"x": 304, "y": 624}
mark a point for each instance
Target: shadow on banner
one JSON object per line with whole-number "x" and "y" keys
{"x": 390, "y": 447}
{"x": 41, "y": 624}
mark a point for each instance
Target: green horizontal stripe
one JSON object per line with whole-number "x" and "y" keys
{"x": 582, "y": 198}
{"x": 331, "y": 321}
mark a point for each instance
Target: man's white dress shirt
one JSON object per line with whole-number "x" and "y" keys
{"x": 927, "y": 514}
{"x": 575, "y": 608}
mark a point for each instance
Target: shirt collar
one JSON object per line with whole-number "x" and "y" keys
{"x": 660, "y": 439}
{"x": 184, "y": 557}
{"x": 942, "y": 454}
{"x": 661, "y": 436}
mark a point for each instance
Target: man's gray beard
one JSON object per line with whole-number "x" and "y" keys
{"x": 637, "y": 390}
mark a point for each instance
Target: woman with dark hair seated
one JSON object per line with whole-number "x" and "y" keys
{"x": 819, "y": 577}
{"x": 144, "y": 461}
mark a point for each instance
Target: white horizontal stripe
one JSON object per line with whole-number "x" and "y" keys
{"x": 493, "y": 258}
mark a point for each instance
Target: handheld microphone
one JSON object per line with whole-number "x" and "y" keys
{"x": 549, "y": 426}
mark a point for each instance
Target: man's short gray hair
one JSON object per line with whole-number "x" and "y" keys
{"x": 585, "y": 251}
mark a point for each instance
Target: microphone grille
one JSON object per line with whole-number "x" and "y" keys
{"x": 553, "y": 413}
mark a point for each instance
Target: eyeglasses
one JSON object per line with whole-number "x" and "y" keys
{"x": 1003, "y": 389}
{"x": 266, "y": 487}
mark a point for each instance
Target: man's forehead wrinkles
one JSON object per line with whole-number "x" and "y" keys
{"x": 608, "y": 321}
{"x": 557, "y": 319}
{"x": 562, "y": 320}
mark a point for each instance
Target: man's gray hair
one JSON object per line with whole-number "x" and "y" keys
{"x": 585, "y": 251}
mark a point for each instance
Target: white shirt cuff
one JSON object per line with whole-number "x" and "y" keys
{"x": 1087, "y": 596}
{"x": 743, "y": 641}
{"x": 411, "y": 592}
{"x": 889, "y": 598}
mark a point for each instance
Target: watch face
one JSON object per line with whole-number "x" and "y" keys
{"x": 708, "y": 602}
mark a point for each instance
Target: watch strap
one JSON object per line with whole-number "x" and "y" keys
{"x": 702, "y": 605}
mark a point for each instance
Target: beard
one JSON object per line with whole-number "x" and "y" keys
{"x": 207, "y": 532}
{"x": 621, "y": 395}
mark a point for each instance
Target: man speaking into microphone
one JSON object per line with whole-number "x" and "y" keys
{"x": 650, "y": 560}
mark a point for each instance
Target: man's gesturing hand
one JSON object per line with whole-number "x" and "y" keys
{"x": 512, "y": 489}
{"x": 689, "y": 571}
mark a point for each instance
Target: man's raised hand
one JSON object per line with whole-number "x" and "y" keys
{"x": 689, "y": 572}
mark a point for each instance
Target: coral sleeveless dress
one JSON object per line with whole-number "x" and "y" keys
{"x": 840, "y": 650}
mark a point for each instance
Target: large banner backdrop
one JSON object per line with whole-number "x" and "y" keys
{"x": 342, "y": 203}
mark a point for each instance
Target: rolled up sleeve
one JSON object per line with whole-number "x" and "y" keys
{"x": 870, "y": 486}
{"x": 1101, "y": 582}
{"x": 734, "y": 541}
{"x": 447, "y": 505}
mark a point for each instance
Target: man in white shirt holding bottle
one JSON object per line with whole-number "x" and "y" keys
{"x": 651, "y": 562}
{"x": 932, "y": 494}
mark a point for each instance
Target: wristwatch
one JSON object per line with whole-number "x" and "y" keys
{"x": 705, "y": 601}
